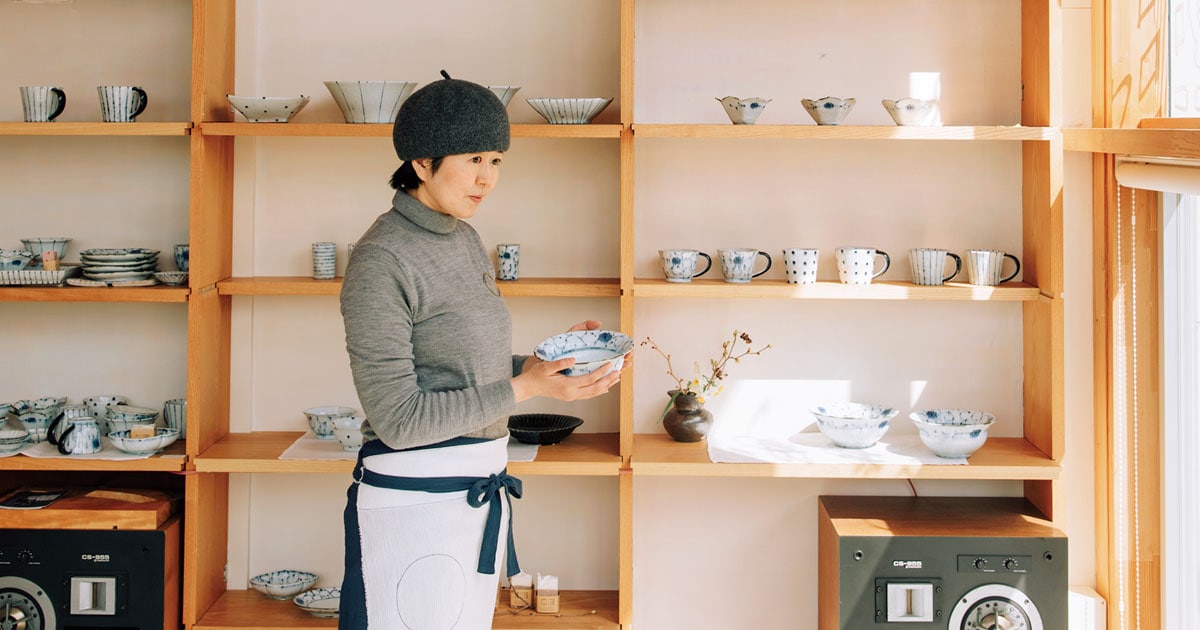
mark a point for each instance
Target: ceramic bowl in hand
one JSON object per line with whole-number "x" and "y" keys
{"x": 829, "y": 110}
{"x": 591, "y": 349}
{"x": 568, "y": 111}
{"x": 41, "y": 245}
{"x": 504, "y": 92}
{"x": 268, "y": 108}
{"x": 320, "y": 419}
{"x": 284, "y": 584}
{"x": 320, "y": 602}
{"x": 161, "y": 439}
{"x": 911, "y": 111}
{"x": 853, "y": 425}
{"x": 743, "y": 111}
{"x": 952, "y": 432}
{"x": 370, "y": 101}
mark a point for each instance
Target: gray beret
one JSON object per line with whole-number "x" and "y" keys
{"x": 450, "y": 117}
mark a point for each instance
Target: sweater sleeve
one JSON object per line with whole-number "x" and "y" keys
{"x": 377, "y": 314}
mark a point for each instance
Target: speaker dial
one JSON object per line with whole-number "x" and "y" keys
{"x": 995, "y": 607}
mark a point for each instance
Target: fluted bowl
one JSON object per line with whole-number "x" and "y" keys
{"x": 370, "y": 101}
{"x": 853, "y": 425}
{"x": 952, "y": 433}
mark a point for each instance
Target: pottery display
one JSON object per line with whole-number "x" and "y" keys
{"x": 320, "y": 419}
{"x": 370, "y": 101}
{"x": 911, "y": 111}
{"x": 259, "y": 109}
{"x": 743, "y": 111}
{"x": 283, "y": 584}
{"x": 952, "y": 432}
{"x": 830, "y": 110}
{"x": 568, "y": 111}
{"x": 853, "y": 425}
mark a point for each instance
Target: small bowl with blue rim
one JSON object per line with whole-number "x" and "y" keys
{"x": 952, "y": 433}
{"x": 591, "y": 349}
{"x": 320, "y": 602}
{"x": 283, "y": 584}
{"x": 161, "y": 439}
{"x": 853, "y": 425}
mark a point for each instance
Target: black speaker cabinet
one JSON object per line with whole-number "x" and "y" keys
{"x": 951, "y": 563}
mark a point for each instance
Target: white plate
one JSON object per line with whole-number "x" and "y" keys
{"x": 84, "y": 282}
{"x": 118, "y": 254}
{"x": 118, "y": 275}
{"x": 320, "y": 602}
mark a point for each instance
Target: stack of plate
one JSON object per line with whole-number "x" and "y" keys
{"x": 119, "y": 264}
{"x": 12, "y": 438}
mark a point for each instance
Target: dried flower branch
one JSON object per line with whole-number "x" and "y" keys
{"x": 708, "y": 384}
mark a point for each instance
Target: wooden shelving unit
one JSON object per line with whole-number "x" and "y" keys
{"x": 525, "y": 287}
{"x": 344, "y": 130}
{"x": 844, "y": 132}
{"x": 952, "y": 291}
{"x": 95, "y": 129}
{"x": 172, "y": 459}
{"x": 159, "y": 293}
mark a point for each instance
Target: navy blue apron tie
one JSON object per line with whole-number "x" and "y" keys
{"x": 480, "y": 490}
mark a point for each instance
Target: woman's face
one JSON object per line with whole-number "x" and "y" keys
{"x": 460, "y": 183}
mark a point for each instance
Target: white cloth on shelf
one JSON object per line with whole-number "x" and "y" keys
{"x": 309, "y": 446}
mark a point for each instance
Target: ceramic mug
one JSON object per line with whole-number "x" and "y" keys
{"x": 508, "y": 259}
{"x": 856, "y": 265}
{"x": 183, "y": 253}
{"x": 984, "y": 267}
{"x": 175, "y": 415}
{"x": 324, "y": 260}
{"x": 928, "y": 265}
{"x": 79, "y": 436}
{"x": 42, "y": 103}
{"x": 800, "y": 266}
{"x": 121, "y": 103}
{"x": 737, "y": 263}
{"x": 679, "y": 265}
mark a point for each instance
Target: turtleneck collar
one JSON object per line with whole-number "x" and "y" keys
{"x": 422, "y": 215}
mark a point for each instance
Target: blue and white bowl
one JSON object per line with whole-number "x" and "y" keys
{"x": 284, "y": 584}
{"x": 568, "y": 111}
{"x": 591, "y": 349}
{"x": 320, "y": 419}
{"x": 132, "y": 413}
{"x": 830, "y": 110}
{"x": 952, "y": 432}
{"x": 504, "y": 92}
{"x": 161, "y": 439}
{"x": 853, "y": 425}
{"x": 320, "y": 602}
{"x": 911, "y": 112}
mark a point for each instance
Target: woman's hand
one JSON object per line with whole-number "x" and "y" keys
{"x": 542, "y": 378}
{"x": 590, "y": 324}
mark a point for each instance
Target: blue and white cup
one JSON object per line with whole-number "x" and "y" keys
{"x": 183, "y": 254}
{"x": 175, "y": 415}
{"x": 800, "y": 265}
{"x": 737, "y": 264}
{"x": 679, "y": 265}
{"x": 985, "y": 267}
{"x": 856, "y": 265}
{"x": 928, "y": 266}
{"x": 508, "y": 261}
{"x": 121, "y": 103}
{"x": 324, "y": 260}
{"x": 79, "y": 435}
{"x": 42, "y": 103}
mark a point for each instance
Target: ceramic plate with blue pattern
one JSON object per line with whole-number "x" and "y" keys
{"x": 320, "y": 602}
{"x": 591, "y": 349}
{"x": 283, "y": 584}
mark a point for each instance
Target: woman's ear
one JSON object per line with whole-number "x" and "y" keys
{"x": 423, "y": 167}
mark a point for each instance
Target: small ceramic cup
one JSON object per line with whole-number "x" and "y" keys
{"x": 175, "y": 415}
{"x": 75, "y": 436}
{"x": 984, "y": 267}
{"x": 800, "y": 265}
{"x": 743, "y": 111}
{"x": 830, "y": 110}
{"x": 737, "y": 264}
{"x": 121, "y": 103}
{"x": 508, "y": 261}
{"x": 856, "y": 265}
{"x": 42, "y": 103}
{"x": 183, "y": 253}
{"x": 349, "y": 433}
{"x": 324, "y": 260}
{"x": 928, "y": 266}
{"x": 679, "y": 265}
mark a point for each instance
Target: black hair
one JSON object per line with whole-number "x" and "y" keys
{"x": 405, "y": 177}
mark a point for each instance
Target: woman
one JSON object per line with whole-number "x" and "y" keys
{"x": 430, "y": 345}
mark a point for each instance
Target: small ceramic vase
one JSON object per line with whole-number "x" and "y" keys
{"x": 687, "y": 420}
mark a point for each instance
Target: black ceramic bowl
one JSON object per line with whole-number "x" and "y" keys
{"x": 542, "y": 428}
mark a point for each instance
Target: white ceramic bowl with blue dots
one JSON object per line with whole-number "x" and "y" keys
{"x": 591, "y": 349}
{"x": 853, "y": 425}
{"x": 283, "y": 584}
{"x": 952, "y": 433}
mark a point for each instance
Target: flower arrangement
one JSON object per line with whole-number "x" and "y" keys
{"x": 708, "y": 383}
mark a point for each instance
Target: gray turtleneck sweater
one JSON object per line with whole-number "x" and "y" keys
{"x": 429, "y": 337}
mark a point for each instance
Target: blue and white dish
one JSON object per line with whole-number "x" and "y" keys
{"x": 504, "y": 92}
{"x": 853, "y": 425}
{"x": 743, "y": 111}
{"x": 370, "y": 101}
{"x": 14, "y": 259}
{"x": 591, "y": 349}
{"x": 171, "y": 278}
{"x": 952, "y": 432}
{"x": 268, "y": 108}
{"x": 161, "y": 439}
{"x": 134, "y": 413}
{"x": 320, "y": 419}
{"x": 41, "y": 245}
{"x": 830, "y": 110}
{"x": 911, "y": 111}
{"x": 568, "y": 111}
{"x": 284, "y": 584}
{"x": 118, "y": 254}
{"x": 320, "y": 602}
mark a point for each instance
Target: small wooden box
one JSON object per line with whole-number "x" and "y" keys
{"x": 97, "y": 509}
{"x": 547, "y": 603}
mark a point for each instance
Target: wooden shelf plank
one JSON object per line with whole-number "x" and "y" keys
{"x": 581, "y": 454}
{"x": 250, "y": 610}
{"x": 887, "y": 290}
{"x": 346, "y": 130}
{"x": 1000, "y": 458}
{"x": 1169, "y": 143}
{"x": 525, "y": 287}
{"x": 95, "y": 129}
{"x": 160, "y": 293}
{"x": 844, "y": 132}
{"x": 172, "y": 459}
